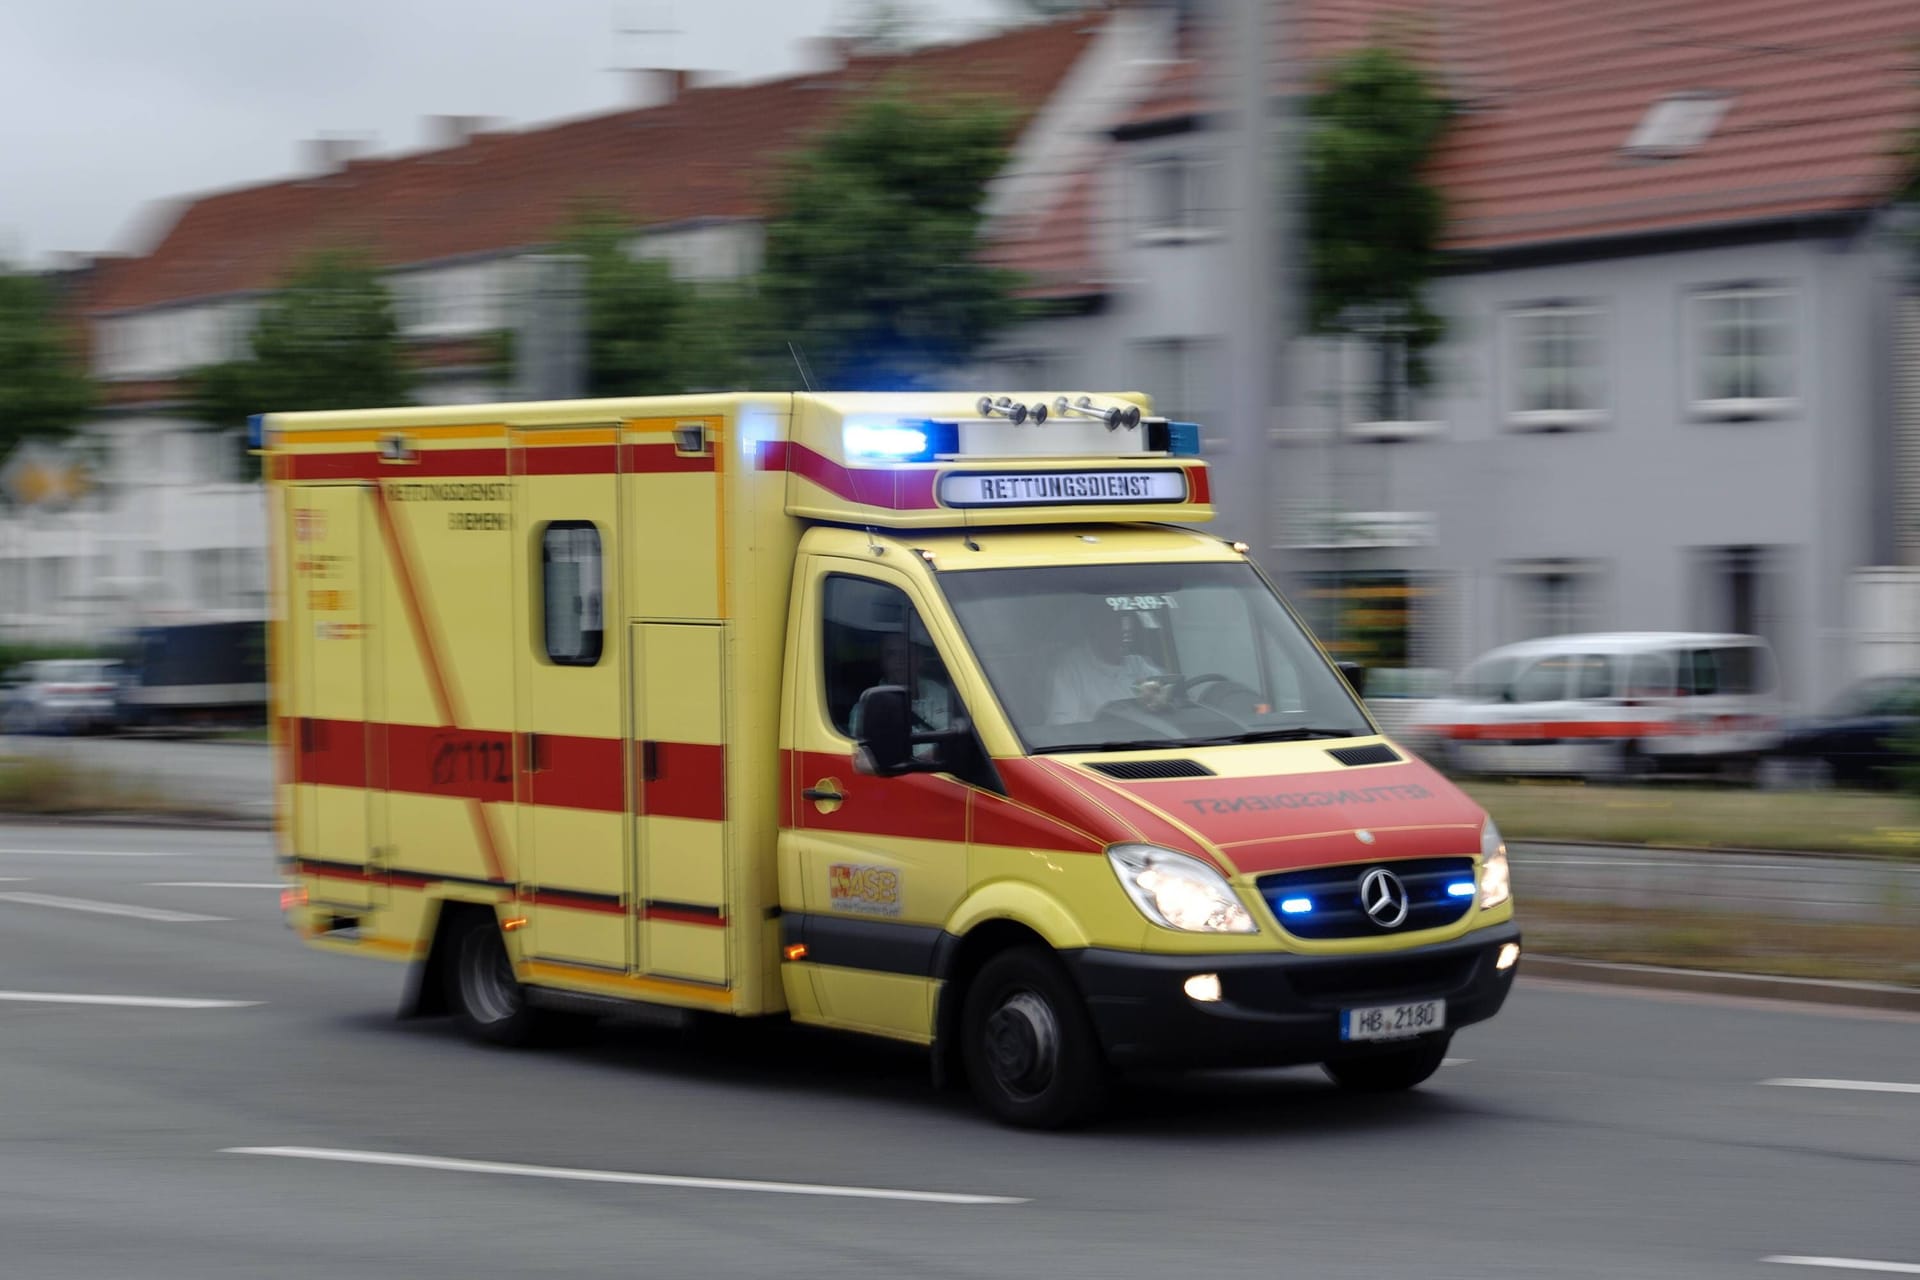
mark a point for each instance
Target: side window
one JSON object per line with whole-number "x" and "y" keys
{"x": 570, "y": 592}
{"x": 1650, "y": 675}
{"x": 874, "y": 637}
{"x": 1593, "y": 676}
{"x": 1544, "y": 681}
{"x": 1701, "y": 674}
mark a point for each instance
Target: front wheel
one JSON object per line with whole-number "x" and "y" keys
{"x": 1031, "y": 1054}
{"x": 1389, "y": 1072}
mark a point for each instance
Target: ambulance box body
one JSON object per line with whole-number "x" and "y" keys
{"x": 922, "y": 716}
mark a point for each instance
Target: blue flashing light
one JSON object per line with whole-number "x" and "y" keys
{"x": 895, "y": 443}
{"x": 1460, "y": 889}
{"x": 256, "y": 430}
{"x": 1296, "y": 906}
{"x": 1183, "y": 439}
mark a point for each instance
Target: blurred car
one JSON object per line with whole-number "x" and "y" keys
{"x": 1617, "y": 705}
{"x": 1398, "y": 697}
{"x": 1862, "y": 740}
{"x": 65, "y": 695}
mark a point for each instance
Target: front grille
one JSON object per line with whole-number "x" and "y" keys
{"x": 1146, "y": 770}
{"x": 1334, "y": 893}
{"x": 1372, "y": 753}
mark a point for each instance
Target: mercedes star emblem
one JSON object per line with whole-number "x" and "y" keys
{"x": 1384, "y": 898}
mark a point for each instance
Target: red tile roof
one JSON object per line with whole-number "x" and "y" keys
{"x": 1821, "y": 97}
{"x": 708, "y": 154}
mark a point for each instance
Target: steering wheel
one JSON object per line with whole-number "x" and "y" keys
{"x": 1185, "y": 685}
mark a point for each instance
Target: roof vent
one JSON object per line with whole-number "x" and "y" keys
{"x": 1374, "y": 753}
{"x": 1676, "y": 124}
{"x": 1147, "y": 770}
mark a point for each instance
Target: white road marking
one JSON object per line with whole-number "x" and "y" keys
{"x": 16, "y": 879}
{"x": 1863, "y": 1086}
{"x": 94, "y": 853}
{"x": 1845, "y": 1264}
{"x": 160, "y": 914}
{"x": 214, "y": 884}
{"x": 1455, "y": 1062}
{"x": 604, "y": 1175}
{"x": 132, "y": 1002}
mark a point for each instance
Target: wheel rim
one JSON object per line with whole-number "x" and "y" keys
{"x": 1023, "y": 1044}
{"x": 487, "y": 984}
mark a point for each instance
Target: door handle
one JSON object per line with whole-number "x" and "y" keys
{"x": 649, "y": 760}
{"x": 827, "y": 794}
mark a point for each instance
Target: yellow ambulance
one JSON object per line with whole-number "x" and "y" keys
{"x": 924, "y": 716}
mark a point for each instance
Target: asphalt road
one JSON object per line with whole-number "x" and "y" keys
{"x": 1582, "y": 1133}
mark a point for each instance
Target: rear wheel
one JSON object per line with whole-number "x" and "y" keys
{"x": 486, "y": 999}
{"x": 1031, "y": 1054}
{"x": 1389, "y": 1072}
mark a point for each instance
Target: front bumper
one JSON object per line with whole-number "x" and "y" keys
{"x": 1278, "y": 1010}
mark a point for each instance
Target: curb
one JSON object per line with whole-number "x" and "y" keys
{"x": 168, "y": 822}
{"x": 1854, "y": 995}
{"x": 1713, "y": 850}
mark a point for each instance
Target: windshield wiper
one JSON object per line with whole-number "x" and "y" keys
{"x": 1274, "y": 735}
{"x": 1134, "y": 744}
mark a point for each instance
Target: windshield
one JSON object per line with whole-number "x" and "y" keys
{"x": 1116, "y": 657}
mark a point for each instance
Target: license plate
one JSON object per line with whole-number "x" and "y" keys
{"x": 1393, "y": 1021}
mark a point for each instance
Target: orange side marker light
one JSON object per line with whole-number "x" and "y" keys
{"x": 512, "y": 923}
{"x": 794, "y": 951}
{"x": 292, "y": 897}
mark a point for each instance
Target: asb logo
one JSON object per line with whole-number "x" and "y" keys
{"x": 866, "y": 890}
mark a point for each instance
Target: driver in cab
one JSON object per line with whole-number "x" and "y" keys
{"x": 1101, "y": 668}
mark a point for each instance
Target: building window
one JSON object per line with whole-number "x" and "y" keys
{"x": 1174, "y": 197}
{"x": 1742, "y": 352}
{"x": 570, "y": 592}
{"x": 1559, "y": 368}
{"x": 1179, "y": 374}
{"x": 1553, "y": 597}
{"x": 1376, "y": 396}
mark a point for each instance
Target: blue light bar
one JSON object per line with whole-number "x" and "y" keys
{"x": 1296, "y": 906}
{"x": 256, "y": 430}
{"x": 1183, "y": 439}
{"x": 897, "y": 443}
{"x": 1460, "y": 889}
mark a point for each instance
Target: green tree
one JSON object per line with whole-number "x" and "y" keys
{"x": 1373, "y": 220}
{"x": 647, "y": 333}
{"x": 327, "y": 339}
{"x": 872, "y": 264}
{"x": 43, "y": 390}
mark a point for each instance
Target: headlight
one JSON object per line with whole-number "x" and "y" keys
{"x": 1178, "y": 891}
{"x": 1496, "y": 883}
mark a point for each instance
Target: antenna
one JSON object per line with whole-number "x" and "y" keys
{"x": 800, "y": 363}
{"x": 648, "y": 20}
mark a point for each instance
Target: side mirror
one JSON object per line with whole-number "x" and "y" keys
{"x": 1356, "y": 677}
{"x": 886, "y": 730}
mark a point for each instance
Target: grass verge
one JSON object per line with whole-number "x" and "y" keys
{"x": 1824, "y": 821}
{"x": 49, "y": 786}
{"x": 1729, "y": 942}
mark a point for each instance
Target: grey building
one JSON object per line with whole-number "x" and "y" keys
{"x": 1677, "y": 294}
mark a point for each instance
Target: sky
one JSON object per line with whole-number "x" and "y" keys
{"x": 108, "y": 108}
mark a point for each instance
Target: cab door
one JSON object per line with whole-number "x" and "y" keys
{"x": 872, "y": 868}
{"x": 575, "y": 876}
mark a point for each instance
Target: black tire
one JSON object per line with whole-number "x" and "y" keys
{"x": 1029, "y": 1046}
{"x": 1389, "y": 1072}
{"x": 487, "y": 1000}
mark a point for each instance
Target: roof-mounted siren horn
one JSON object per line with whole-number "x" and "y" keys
{"x": 1115, "y": 416}
{"x": 1012, "y": 410}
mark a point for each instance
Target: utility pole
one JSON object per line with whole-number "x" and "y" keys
{"x": 1252, "y": 44}
{"x": 550, "y": 329}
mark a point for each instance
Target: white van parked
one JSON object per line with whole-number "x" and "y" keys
{"x": 1615, "y": 705}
